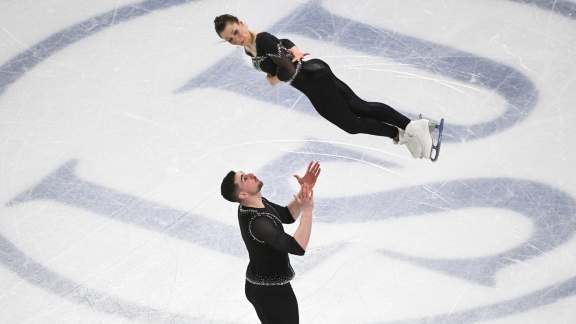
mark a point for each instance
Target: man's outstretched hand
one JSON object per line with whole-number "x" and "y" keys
{"x": 311, "y": 175}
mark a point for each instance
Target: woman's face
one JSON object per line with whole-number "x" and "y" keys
{"x": 236, "y": 34}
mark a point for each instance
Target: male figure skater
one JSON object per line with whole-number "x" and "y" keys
{"x": 269, "y": 271}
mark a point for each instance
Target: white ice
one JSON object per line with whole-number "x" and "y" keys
{"x": 118, "y": 120}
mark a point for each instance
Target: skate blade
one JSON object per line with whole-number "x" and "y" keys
{"x": 433, "y": 126}
{"x": 436, "y": 147}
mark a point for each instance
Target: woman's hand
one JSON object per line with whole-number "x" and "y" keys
{"x": 307, "y": 200}
{"x": 296, "y": 54}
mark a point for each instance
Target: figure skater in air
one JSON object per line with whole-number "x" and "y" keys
{"x": 282, "y": 61}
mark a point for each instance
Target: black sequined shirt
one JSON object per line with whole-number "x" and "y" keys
{"x": 267, "y": 243}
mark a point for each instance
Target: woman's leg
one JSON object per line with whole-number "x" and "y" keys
{"x": 317, "y": 82}
{"x": 375, "y": 110}
{"x": 418, "y": 130}
{"x": 336, "y": 102}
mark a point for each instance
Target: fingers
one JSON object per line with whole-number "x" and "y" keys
{"x": 311, "y": 175}
{"x": 314, "y": 168}
{"x": 298, "y": 58}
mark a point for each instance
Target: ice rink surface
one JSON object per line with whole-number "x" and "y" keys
{"x": 118, "y": 120}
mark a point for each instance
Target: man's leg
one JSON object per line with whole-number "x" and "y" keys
{"x": 252, "y": 296}
{"x": 274, "y": 304}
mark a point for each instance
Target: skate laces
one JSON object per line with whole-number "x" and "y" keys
{"x": 411, "y": 143}
{"x": 420, "y": 131}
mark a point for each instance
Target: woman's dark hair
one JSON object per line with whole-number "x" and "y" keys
{"x": 220, "y": 22}
{"x": 228, "y": 188}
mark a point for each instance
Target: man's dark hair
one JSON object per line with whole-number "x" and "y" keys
{"x": 220, "y": 22}
{"x": 228, "y": 188}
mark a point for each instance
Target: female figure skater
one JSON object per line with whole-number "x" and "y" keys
{"x": 332, "y": 98}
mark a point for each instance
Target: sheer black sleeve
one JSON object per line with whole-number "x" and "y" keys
{"x": 271, "y": 46}
{"x": 263, "y": 229}
{"x": 282, "y": 211}
{"x": 287, "y": 43}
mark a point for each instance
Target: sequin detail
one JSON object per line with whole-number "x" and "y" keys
{"x": 269, "y": 281}
{"x": 253, "y": 214}
{"x": 253, "y": 217}
{"x": 257, "y": 61}
{"x": 298, "y": 67}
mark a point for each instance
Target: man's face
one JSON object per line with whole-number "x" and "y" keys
{"x": 248, "y": 183}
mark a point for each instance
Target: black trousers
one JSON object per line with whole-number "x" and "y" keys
{"x": 275, "y": 304}
{"x": 336, "y": 102}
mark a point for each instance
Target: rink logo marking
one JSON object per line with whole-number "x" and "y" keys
{"x": 524, "y": 100}
{"x": 65, "y": 187}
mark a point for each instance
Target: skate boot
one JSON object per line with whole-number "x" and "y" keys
{"x": 411, "y": 143}
{"x": 420, "y": 131}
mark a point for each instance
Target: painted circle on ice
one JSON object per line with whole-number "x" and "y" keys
{"x": 129, "y": 113}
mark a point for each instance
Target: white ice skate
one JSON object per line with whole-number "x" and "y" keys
{"x": 411, "y": 143}
{"x": 420, "y": 131}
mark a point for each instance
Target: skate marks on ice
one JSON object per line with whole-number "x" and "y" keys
{"x": 552, "y": 213}
{"x": 524, "y": 99}
{"x": 15, "y": 68}
{"x": 518, "y": 91}
{"x": 564, "y": 8}
{"x": 513, "y": 306}
{"x": 38, "y": 275}
{"x": 65, "y": 187}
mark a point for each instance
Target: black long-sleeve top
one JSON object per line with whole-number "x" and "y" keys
{"x": 267, "y": 243}
{"x": 273, "y": 57}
